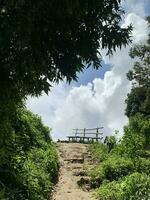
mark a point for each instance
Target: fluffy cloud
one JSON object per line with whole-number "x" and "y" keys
{"x": 140, "y": 27}
{"x": 98, "y": 103}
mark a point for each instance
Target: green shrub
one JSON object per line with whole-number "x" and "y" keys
{"x": 111, "y": 142}
{"x": 113, "y": 168}
{"x": 99, "y": 151}
{"x": 133, "y": 187}
{"x": 143, "y": 165}
{"x": 136, "y": 137}
{"x": 30, "y": 162}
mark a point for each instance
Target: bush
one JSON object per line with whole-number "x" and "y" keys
{"x": 133, "y": 187}
{"x": 99, "y": 151}
{"x": 136, "y": 137}
{"x": 111, "y": 142}
{"x": 30, "y": 162}
{"x": 113, "y": 168}
{"x": 143, "y": 165}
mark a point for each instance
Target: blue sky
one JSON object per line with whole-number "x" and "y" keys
{"x": 89, "y": 74}
{"x": 98, "y": 98}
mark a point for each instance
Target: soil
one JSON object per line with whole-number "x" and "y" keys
{"x": 74, "y": 157}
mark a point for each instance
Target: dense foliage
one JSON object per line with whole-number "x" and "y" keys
{"x": 120, "y": 175}
{"x": 136, "y": 139}
{"x": 99, "y": 152}
{"x": 133, "y": 187}
{"x": 113, "y": 168}
{"x": 138, "y": 100}
{"x": 29, "y": 162}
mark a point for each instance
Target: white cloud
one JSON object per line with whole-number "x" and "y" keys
{"x": 140, "y": 27}
{"x": 98, "y": 103}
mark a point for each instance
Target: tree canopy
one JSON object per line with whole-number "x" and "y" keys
{"x": 138, "y": 100}
{"x": 46, "y": 41}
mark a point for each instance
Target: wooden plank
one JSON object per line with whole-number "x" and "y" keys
{"x": 82, "y": 129}
{"x": 84, "y": 137}
{"x": 94, "y": 137}
{"x": 94, "y": 128}
{"x": 88, "y": 133}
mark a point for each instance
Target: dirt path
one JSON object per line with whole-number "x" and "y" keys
{"x": 73, "y": 158}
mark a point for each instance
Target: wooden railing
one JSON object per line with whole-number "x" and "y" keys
{"x": 90, "y": 134}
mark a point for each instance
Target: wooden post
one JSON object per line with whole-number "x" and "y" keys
{"x": 84, "y": 134}
{"x": 96, "y": 134}
{"x": 76, "y": 134}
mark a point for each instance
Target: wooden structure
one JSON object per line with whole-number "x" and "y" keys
{"x": 86, "y": 135}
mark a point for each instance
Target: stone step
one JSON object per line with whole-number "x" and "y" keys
{"x": 74, "y": 160}
{"x": 85, "y": 183}
{"x": 80, "y": 173}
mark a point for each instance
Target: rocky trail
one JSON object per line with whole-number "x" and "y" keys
{"x": 74, "y": 157}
